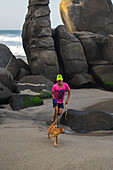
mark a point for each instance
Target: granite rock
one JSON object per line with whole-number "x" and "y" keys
{"x": 38, "y": 42}
{"x": 87, "y": 15}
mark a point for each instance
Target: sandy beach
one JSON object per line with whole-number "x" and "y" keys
{"x": 24, "y": 144}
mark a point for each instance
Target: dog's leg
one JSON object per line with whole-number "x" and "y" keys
{"x": 48, "y": 135}
{"x": 53, "y": 140}
{"x": 57, "y": 139}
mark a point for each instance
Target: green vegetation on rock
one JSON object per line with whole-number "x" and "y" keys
{"x": 108, "y": 83}
{"x": 35, "y": 101}
{"x": 45, "y": 94}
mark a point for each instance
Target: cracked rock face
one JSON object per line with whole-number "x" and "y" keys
{"x": 8, "y": 60}
{"x": 37, "y": 40}
{"x": 87, "y": 15}
{"x": 108, "y": 48}
{"x": 70, "y": 53}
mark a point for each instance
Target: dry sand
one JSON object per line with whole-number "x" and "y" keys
{"x": 24, "y": 144}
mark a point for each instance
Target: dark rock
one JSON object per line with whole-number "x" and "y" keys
{"x": 6, "y": 79}
{"x": 82, "y": 80}
{"x": 34, "y": 83}
{"x": 108, "y": 48}
{"x": 5, "y": 94}
{"x": 39, "y": 2}
{"x": 22, "y": 74}
{"x": 101, "y": 62}
{"x": 21, "y": 101}
{"x": 23, "y": 64}
{"x": 8, "y": 60}
{"x": 38, "y": 42}
{"x": 88, "y": 15}
{"x": 83, "y": 33}
{"x": 84, "y": 122}
{"x": 103, "y": 74}
{"x": 45, "y": 94}
{"x": 70, "y": 53}
{"x": 92, "y": 44}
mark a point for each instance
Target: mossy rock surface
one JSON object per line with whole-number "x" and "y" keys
{"x": 108, "y": 85}
{"x": 34, "y": 101}
{"x": 21, "y": 101}
{"x": 45, "y": 94}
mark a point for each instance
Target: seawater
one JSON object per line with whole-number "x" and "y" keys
{"x": 13, "y": 40}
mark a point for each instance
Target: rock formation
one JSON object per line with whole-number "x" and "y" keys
{"x": 37, "y": 40}
{"x": 35, "y": 83}
{"x": 8, "y": 60}
{"x": 6, "y": 79}
{"x": 70, "y": 52}
{"x": 71, "y": 57}
{"x": 92, "y": 44}
{"x": 108, "y": 48}
{"x": 82, "y": 57}
{"x": 21, "y": 101}
{"x": 84, "y": 122}
{"x": 87, "y": 15}
{"x": 103, "y": 74}
{"x": 5, "y": 94}
{"x": 6, "y": 85}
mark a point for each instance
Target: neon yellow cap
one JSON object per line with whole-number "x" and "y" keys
{"x": 59, "y": 77}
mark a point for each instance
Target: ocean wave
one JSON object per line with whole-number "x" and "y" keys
{"x": 12, "y": 39}
{"x": 17, "y": 50}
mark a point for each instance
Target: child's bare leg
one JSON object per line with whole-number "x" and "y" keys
{"x": 60, "y": 110}
{"x": 56, "y": 112}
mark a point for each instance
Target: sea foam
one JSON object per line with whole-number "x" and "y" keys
{"x": 13, "y": 40}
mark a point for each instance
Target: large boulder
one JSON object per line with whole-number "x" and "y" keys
{"x": 38, "y": 42}
{"x": 21, "y": 101}
{"x": 35, "y": 83}
{"x": 108, "y": 48}
{"x": 92, "y": 44}
{"x": 8, "y": 60}
{"x": 87, "y": 15}
{"x": 84, "y": 122}
{"x": 22, "y": 73}
{"x": 5, "y": 94}
{"x": 70, "y": 53}
{"x": 103, "y": 75}
{"x": 6, "y": 79}
{"x": 23, "y": 64}
{"x": 82, "y": 80}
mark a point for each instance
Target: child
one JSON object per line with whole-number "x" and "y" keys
{"x": 58, "y": 93}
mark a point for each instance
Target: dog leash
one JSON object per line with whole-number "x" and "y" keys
{"x": 66, "y": 113}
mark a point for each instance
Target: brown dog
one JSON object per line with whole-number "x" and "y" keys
{"x": 54, "y": 132}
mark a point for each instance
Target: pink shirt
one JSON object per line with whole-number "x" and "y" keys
{"x": 60, "y": 92}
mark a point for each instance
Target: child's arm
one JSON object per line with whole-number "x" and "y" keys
{"x": 54, "y": 100}
{"x": 53, "y": 96}
{"x": 69, "y": 92}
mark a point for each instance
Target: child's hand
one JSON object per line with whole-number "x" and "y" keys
{"x": 66, "y": 102}
{"x": 54, "y": 101}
